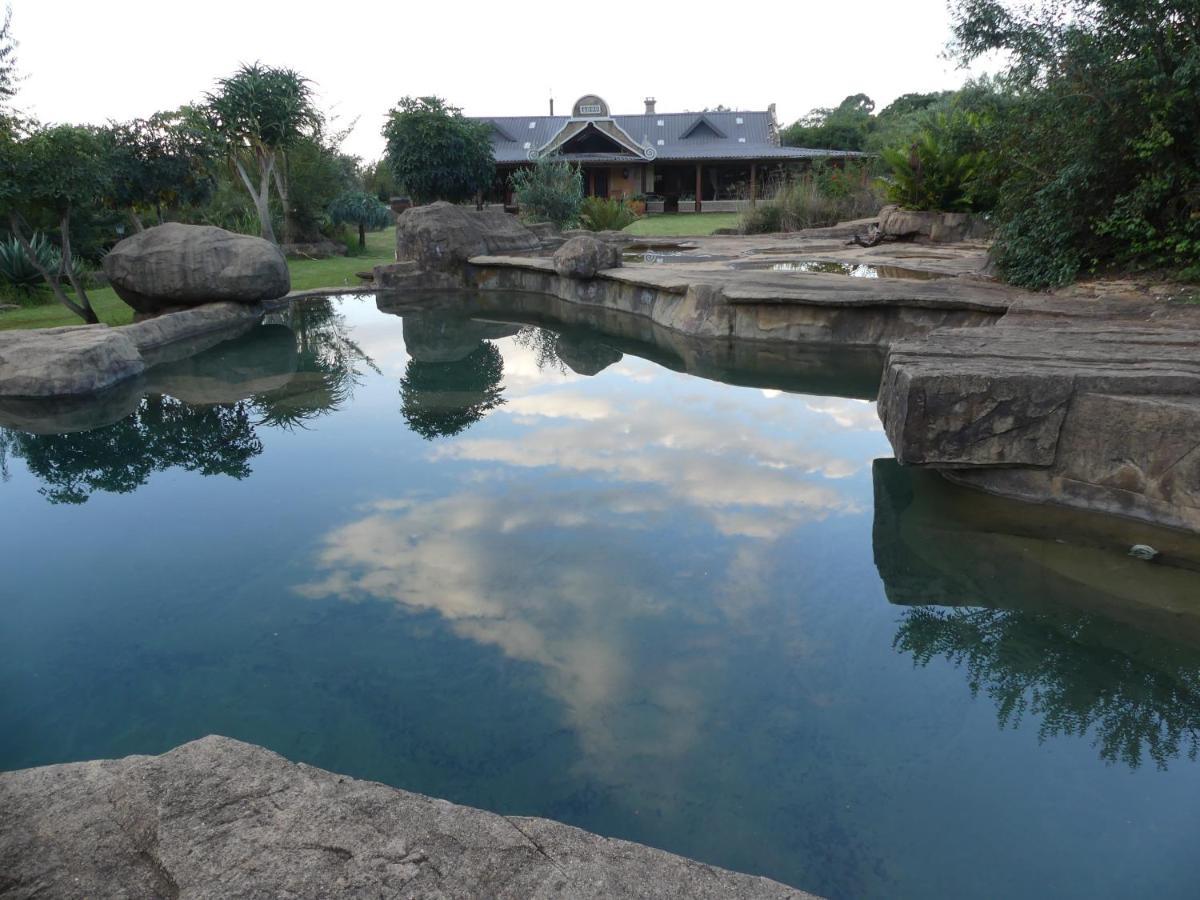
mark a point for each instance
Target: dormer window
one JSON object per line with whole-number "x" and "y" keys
{"x": 528, "y": 145}
{"x": 661, "y": 142}
{"x": 661, "y": 123}
{"x": 739, "y": 120}
{"x": 590, "y": 109}
{"x": 741, "y": 140}
{"x": 533, "y": 124}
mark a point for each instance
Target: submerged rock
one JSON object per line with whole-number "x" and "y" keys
{"x": 176, "y": 265}
{"x": 218, "y": 818}
{"x": 583, "y": 256}
{"x": 443, "y": 236}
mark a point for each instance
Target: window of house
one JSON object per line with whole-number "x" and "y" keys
{"x": 660, "y": 123}
{"x": 533, "y": 124}
{"x": 739, "y": 120}
{"x": 661, "y": 142}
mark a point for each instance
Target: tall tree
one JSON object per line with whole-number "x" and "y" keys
{"x": 436, "y": 152}
{"x": 8, "y": 60}
{"x": 362, "y": 210}
{"x": 47, "y": 174}
{"x": 261, "y": 112}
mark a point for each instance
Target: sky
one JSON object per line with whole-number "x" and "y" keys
{"x": 90, "y": 62}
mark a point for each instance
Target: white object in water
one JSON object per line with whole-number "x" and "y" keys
{"x": 1143, "y": 551}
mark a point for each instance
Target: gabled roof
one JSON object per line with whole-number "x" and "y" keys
{"x": 703, "y": 127}
{"x": 675, "y": 140}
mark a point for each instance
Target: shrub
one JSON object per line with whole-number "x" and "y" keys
{"x": 606, "y": 215}
{"x": 18, "y": 272}
{"x": 823, "y": 197}
{"x": 549, "y": 191}
{"x": 933, "y": 173}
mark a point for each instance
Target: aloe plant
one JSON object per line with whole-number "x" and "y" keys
{"x": 18, "y": 271}
{"x": 599, "y": 214}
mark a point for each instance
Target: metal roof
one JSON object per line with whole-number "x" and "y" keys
{"x": 747, "y": 135}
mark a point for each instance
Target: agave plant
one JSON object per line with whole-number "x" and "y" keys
{"x": 932, "y": 173}
{"x": 18, "y": 271}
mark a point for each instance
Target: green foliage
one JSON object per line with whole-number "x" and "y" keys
{"x": 844, "y": 127}
{"x": 1097, "y": 151}
{"x": 600, "y": 214}
{"x": 362, "y": 210}
{"x": 18, "y": 271}
{"x": 316, "y": 173}
{"x": 550, "y": 190}
{"x": 824, "y": 196}
{"x": 442, "y": 399}
{"x": 379, "y": 179}
{"x": 436, "y": 152}
{"x": 165, "y": 160}
{"x": 262, "y": 108}
{"x": 60, "y": 167}
{"x": 932, "y": 173}
{"x": 8, "y": 59}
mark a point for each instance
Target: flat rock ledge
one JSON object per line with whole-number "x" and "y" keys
{"x": 1089, "y": 404}
{"x": 218, "y": 818}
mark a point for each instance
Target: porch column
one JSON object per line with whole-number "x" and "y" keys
{"x": 753, "y": 186}
{"x": 698, "y": 186}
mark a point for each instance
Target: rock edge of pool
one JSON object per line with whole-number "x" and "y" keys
{"x": 219, "y": 818}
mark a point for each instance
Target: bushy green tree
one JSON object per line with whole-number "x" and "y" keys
{"x": 163, "y": 161}
{"x": 1097, "y": 157}
{"x": 844, "y": 127}
{"x": 361, "y": 210}
{"x": 436, "y": 152}
{"x": 261, "y": 112}
{"x": 45, "y": 175}
{"x": 8, "y": 59}
{"x": 551, "y": 190}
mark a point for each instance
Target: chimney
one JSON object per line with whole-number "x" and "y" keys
{"x": 551, "y": 107}
{"x": 649, "y": 106}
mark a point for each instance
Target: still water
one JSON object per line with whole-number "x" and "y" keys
{"x": 668, "y": 592}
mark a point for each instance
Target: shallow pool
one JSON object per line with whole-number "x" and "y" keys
{"x": 669, "y": 592}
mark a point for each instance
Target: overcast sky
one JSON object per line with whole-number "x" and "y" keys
{"x": 86, "y": 61}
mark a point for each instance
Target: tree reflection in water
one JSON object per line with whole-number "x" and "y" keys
{"x": 1076, "y": 673}
{"x": 163, "y": 433}
{"x": 329, "y": 367}
{"x": 442, "y": 399}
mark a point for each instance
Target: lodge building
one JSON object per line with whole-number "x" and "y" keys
{"x": 678, "y": 162}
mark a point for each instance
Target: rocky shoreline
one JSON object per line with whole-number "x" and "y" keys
{"x": 218, "y": 818}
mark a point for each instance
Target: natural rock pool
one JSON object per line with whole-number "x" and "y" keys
{"x": 549, "y": 572}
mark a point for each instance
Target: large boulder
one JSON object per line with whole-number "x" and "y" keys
{"x": 583, "y": 256}
{"x": 174, "y": 265}
{"x": 443, "y": 236}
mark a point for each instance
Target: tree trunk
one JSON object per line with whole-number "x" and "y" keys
{"x": 362, "y": 236}
{"x": 261, "y": 197}
{"x": 52, "y": 279}
{"x": 281, "y": 185}
{"x": 135, "y": 220}
{"x": 68, "y": 264}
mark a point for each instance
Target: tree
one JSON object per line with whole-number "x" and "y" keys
{"x": 49, "y": 173}
{"x": 262, "y": 112}
{"x": 160, "y": 161}
{"x": 436, "y": 152}
{"x": 549, "y": 191}
{"x": 1097, "y": 156}
{"x": 8, "y": 60}
{"x": 363, "y": 210}
{"x": 842, "y": 128}
{"x": 442, "y": 399}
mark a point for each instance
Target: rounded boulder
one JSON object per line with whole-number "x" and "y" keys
{"x": 176, "y": 265}
{"x": 583, "y": 256}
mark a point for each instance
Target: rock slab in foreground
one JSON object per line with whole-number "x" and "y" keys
{"x": 443, "y": 236}
{"x": 177, "y": 265}
{"x": 217, "y": 818}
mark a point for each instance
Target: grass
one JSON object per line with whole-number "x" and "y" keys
{"x": 682, "y": 224}
{"x": 337, "y": 271}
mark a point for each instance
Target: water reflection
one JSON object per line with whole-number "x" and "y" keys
{"x": 1081, "y": 639}
{"x": 454, "y": 372}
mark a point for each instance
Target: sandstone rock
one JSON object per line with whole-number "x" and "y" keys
{"x": 940, "y": 227}
{"x": 217, "y": 818}
{"x": 261, "y": 360}
{"x": 583, "y": 256}
{"x": 176, "y": 265}
{"x": 57, "y": 362}
{"x": 443, "y": 236}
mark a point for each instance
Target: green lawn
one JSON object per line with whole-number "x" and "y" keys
{"x": 682, "y": 224}
{"x": 338, "y": 271}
